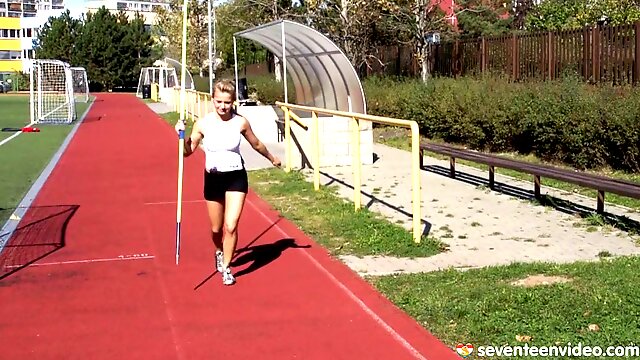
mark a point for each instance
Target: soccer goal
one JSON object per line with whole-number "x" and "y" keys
{"x": 80, "y": 84}
{"x": 51, "y": 93}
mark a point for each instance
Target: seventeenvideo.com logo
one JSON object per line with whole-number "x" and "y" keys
{"x": 464, "y": 350}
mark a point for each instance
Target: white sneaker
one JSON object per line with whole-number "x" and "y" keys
{"x": 227, "y": 277}
{"x": 219, "y": 261}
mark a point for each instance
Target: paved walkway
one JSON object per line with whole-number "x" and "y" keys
{"x": 480, "y": 226}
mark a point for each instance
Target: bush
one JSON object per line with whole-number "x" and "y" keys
{"x": 565, "y": 121}
{"x": 267, "y": 90}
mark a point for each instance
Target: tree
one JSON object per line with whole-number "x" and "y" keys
{"x": 98, "y": 49}
{"x": 238, "y": 15}
{"x": 110, "y": 47}
{"x": 484, "y": 18}
{"x": 572, "y": 14}
{"x": 57, "y": 38}
{"x": 169, "y": 24}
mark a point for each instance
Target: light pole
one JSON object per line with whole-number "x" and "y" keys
{"x": 211, "y": 76}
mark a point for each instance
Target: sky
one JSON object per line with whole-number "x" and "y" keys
{"x": 76, "y": 7}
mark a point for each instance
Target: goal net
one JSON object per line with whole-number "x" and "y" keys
{"x": 51, "y": 92}
{"x": 80, "y": 84}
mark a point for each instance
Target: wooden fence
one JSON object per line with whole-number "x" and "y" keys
{"x": 598, "y": 54}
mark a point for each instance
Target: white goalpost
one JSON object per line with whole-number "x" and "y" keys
{"x": 80, "y": 84}
{"x": 51, "y": 93}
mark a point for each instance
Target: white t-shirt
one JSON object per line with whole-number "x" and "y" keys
{"x": 221, "y": 142}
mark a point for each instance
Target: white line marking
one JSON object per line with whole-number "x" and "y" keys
{"x": 88, "y": 261}
{"x": 12, "y": 136}
{"x": 172, "y": 202}
{"x": 353, "y": 296}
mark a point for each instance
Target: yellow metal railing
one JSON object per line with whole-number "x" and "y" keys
{"x": 196, "y": 104}
{"x": 357, "y": 161}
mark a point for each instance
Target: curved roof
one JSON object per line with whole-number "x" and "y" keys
{"x": 322, "y": 74}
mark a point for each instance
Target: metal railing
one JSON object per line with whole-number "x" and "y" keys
{"x": 357, "y": 160}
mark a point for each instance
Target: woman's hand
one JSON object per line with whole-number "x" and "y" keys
{"x": 276, "y": 162}
{"x": 180, "y": 126}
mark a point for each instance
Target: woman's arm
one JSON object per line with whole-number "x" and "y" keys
{"x": 256, "y": 144}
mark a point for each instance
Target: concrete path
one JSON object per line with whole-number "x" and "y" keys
{"x": 481, "y": 227}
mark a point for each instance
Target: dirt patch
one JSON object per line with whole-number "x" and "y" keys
{"x": 537, "y": 280}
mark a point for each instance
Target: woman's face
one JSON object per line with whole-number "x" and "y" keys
{"x": 222, "y": 101}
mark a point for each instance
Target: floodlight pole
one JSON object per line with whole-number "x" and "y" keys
{"x": 284, "y": 64}
{"x": 181, "y": 141}
{"x": 210, "y": 45}
{"x": 214, "y": 35}
{"x": 235, "y": 64}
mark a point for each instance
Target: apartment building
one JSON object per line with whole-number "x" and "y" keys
{"x": 18, "y": 34}
{"x": 145, "y": 8}
{"x": 10, "y": 45}
{"x": 18, "y": 8}
{"x": 50, "y": 5}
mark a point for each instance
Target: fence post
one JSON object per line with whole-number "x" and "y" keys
{"x": 636, "y": 55}
{"x": 456, "y": 63}
{"x": 551, "y": 56}
{"x": 595, "y": 54}
{"x": 585, "y": 54}
{"x": 514, "y": 57}
{"x": 483, "y": 55}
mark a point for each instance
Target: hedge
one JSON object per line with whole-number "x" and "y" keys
{"x": 565, "y": 121}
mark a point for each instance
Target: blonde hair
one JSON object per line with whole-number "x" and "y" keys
{"x": 226, "y": 86}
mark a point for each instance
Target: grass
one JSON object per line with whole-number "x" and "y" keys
{"x": 23, "y": 158}
{"x": 399, "y": 138}
{"x": 332, "y": 221}
{"x": 483, "y": 308}
{"x": 329, "y": 219}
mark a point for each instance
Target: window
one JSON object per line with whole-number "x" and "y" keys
{"x": 10, "y": 55}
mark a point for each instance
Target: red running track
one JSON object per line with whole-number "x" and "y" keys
{"x": 102, "y": 281}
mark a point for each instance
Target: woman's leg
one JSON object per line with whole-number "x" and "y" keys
{"x": 234, "y": 202}
{"x": 216, "y": 218}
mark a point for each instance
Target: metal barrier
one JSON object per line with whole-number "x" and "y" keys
{"x": 357, "y": 161}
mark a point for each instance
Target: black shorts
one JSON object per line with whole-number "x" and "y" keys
{"x": 216, "y": 184}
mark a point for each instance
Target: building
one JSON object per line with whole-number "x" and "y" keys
{"x": 50, "y": 5}
{"x": 18, "y": 33}
{"x": 18, "y": 8}
{"x": 10, "y": 45}
{"x": 29, "y": 27}
{"x": 145, "y": 8}
{"x": 449, "y": 9}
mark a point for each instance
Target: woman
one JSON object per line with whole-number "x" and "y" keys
{"x": 225, "y": 178}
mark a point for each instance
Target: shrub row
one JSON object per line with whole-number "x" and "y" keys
{"x": 563, "y": 121}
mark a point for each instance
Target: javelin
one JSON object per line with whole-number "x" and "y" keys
{"x": 183, "y": 75}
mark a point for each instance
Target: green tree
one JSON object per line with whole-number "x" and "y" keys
{"x": 98, "y": 48}
{"x": 169, "y": 26}
{"x": 484, "y": 18}
{"x": 572, "y": 14}
{"x": 57, "y": 38}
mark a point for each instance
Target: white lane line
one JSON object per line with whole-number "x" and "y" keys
{"x": 88, "y": 261}
{"x": 172, "y": 202}
{"x": 353, "y": 296}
